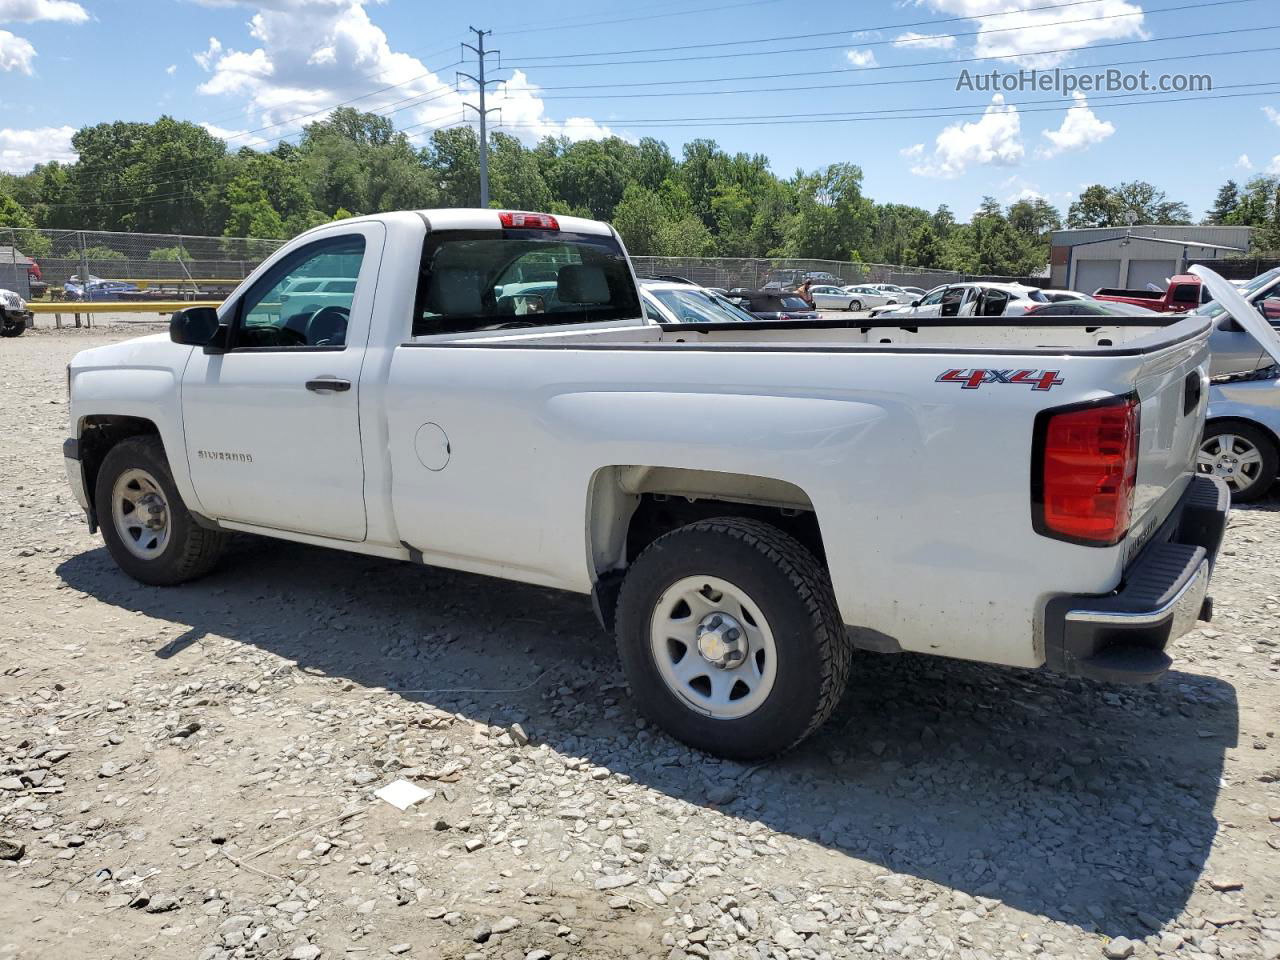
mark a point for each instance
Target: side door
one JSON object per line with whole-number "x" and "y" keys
{"x": 931, "y": 303}
{"x": 272, "y": 425}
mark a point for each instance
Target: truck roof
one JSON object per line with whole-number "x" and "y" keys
{"x": 477, "y": 218}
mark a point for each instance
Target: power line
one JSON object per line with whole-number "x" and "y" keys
{"x": 838, "y": 46}
{"x": 924, "y": 113}
{"x": 748, "y": 120}
{"x": 651, "y": 16}
{"x": 1198, "y": 35}
{"x": 780, "y": 38}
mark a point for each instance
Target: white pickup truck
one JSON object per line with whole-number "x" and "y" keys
{"x": 746, "y": 502}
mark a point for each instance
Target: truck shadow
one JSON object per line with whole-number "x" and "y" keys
{"x": 1087, "y": 804}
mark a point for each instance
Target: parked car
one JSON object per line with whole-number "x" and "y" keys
{"x": 790, "y": 279}
{"x": 914, "y": 293}
{"x": 666, "y": 301}
{"x": 1087, "y": 308}
{"x": 1233, "y": 349}
{"x": 826, "y": 297}
{"x": 1241, "y": 442}
{"x": 1062, "y": 296}
{"x": 776, "y": 305}
{"x": 98, "y": 289}
{"x": 865, "y": 298}
{"x": 978, "y": 298}
{"x": 15, "y": 318}
{"x": 733, "y": 496}
{"x": 1184, "y": 293}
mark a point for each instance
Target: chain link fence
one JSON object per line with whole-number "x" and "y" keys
{"x": 41, "y": 264}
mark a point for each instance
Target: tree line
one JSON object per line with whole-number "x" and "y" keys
{"x": 173, "y": 176}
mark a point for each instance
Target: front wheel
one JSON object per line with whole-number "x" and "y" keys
{"x": 1242, "y": 455}
{"x": 730, "y": 638}
{"x": 11, "y": 327}
{"x": 148, "y": 530}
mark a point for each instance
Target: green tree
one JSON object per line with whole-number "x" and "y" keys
{"x": 1224, "y": 205}
{"x": 25, "y": 238}
{"x": 146, "y": 177}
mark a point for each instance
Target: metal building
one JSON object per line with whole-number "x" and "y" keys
{"x": 1092, "y": 257}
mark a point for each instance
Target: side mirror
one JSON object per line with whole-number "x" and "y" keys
{"x": 915, "y": 303}
{"x": 194, "y": 326}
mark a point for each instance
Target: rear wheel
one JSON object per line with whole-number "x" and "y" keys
{"x": 148, "y": 530}
{"x": 1242, "y": 455}
{"x": 730, "y": 638}
{"x": 855, "y": 305}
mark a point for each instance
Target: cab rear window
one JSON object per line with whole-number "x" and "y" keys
{"x": 492, "y": 280}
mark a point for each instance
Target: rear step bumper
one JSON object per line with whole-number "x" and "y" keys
{"x": 1121, "y": 637}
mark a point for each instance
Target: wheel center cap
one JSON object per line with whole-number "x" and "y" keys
{"x": 721, "y": 640}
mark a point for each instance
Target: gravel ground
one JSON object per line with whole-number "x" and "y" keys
{"x": 188, "y": 772}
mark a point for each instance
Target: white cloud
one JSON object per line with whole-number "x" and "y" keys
{"x": 29, "y": 11}
{"x": 913, "y": 152}
{"x": 525, "y": 112}
{"x": 994, "y": 140}
{"x": 171, "y": 69}
{"x": 15, "y": 53}
{"x": 1273, "y": 167}
{"x": 207, "y": 59}
{"x": 342, "y": 55}
{"x": 1243, "y": 162}
{"x": 1080, "y": 129}
{"x": 1272, "y": 114}
{"x": 1014, "y": 30}
{"x": 238, "y": 138}
{"x": 924, "y": 41}
{"x": 20, "y": 150}
{"x": 861, "y": 58}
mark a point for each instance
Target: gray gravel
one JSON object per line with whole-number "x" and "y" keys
{"x": 189, "y": 772}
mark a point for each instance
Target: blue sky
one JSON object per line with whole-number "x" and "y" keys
{"x": 242, "y": 66}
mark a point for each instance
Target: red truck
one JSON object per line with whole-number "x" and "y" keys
{"x": 1183, "y": 293}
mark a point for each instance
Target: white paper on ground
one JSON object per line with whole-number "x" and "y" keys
{"x": 401, "y": 794}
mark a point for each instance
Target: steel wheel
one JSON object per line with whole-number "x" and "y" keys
{"x": 1234, "y": 458}
{"x": 140, "y": 513}
{"x": 713, "y": 647}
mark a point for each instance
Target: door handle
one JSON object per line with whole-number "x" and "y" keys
{"x": 329, "y": 383}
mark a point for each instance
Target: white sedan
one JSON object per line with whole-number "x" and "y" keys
{"x": 867, "y": 298}
{"x": 833, "y": 298}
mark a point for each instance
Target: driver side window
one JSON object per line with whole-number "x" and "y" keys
{"x": 304, "y": 300}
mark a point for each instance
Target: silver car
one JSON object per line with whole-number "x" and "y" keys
{"x": 1241, "y": 441}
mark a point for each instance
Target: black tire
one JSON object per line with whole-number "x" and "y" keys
{"x": 855, "y": 306}
{"x": 192, "y": 550}
{"x": 13, "y": 328}
{"x": 793, "y": 592}
{"x": 1265, "y": 445}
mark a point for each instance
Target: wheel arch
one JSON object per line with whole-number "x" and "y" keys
{"x": 630, "y": 506}
{"x": 98, "y": 433}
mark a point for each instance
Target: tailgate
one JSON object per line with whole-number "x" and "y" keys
{"x": 1173, "y": 390}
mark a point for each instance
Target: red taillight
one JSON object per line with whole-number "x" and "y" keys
{"x": 1084, "y": 469}
{"x": 534, "y": 221}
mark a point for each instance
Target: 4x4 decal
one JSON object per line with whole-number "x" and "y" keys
{"x": 973, "y": 379}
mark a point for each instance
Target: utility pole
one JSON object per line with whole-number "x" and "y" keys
{"x": 482, "y": 84}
